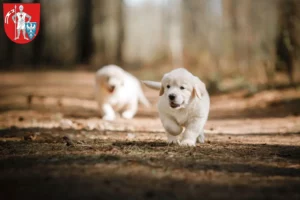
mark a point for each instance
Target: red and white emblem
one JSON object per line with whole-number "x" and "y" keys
{"x": 21, "y": 21}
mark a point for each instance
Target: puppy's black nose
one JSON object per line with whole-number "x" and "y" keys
{"x": 172, "y": 96}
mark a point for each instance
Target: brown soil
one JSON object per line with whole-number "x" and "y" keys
{"x": 54, "y": 146}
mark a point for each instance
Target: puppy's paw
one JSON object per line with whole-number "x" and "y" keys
{"x": 188, "y": 142}
{"x": 172, "y": 139}
{"x": 201, "y": 138}
{"x": 127, "y": 115}
{"x": 108, "y": 117}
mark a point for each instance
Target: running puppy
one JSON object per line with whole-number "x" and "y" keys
{"x": 118, "y": 91}
{"x": 183, "y": 106}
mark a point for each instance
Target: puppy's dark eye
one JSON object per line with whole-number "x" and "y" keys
{"x": 182, "y": 88}
{"x": 168, "y": 86}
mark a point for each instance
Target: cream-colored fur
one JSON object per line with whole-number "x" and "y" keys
{"x": 118, "y": 91}
{"x": 183, "y": 106}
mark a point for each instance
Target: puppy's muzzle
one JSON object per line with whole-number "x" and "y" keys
{"x": 111, "y": 88}
{"x": 172, "y": 97}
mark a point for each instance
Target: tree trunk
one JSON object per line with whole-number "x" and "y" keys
{"x": 85, "y": 34}
{"x": 61, "y": 31}
{"x": 107, "y": 32}
{"x": 288, "y": 42}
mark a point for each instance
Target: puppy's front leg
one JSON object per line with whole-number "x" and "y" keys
{"x": 107, "y": 112}
{"x": 172, "y": 128}
{"x": 193, "y": 130}
{"x": 131, "y": 110}
{"x": 201, "y": 137}
{"x": 172, "y": 139}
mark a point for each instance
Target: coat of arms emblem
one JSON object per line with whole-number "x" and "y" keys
{"x": 21, "y": 21}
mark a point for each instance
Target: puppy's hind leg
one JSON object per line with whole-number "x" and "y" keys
{"x": 130, "y": 110}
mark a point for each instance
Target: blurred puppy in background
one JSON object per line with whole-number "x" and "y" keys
{"x": 183, "y": 106}
{"x": 118, "y": 91}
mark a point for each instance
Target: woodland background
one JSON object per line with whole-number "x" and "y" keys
{"x": 229, "y": 43}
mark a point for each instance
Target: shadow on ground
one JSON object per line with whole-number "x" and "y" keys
{"x": 139, "y": 170}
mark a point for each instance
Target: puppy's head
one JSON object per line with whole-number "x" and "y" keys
{"x": 180, "y": 87}
{"x": 114, "y": 83}
{"x": 112, "y": 78}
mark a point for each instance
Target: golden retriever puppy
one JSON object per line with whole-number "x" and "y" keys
{"x": 183, "y": 106}
{"x": 118, "y": 91}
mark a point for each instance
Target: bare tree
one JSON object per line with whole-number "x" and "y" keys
{"x": 107, "y": 31}
{"x": 288, "y": 41}
{"x": 61, "y": 31}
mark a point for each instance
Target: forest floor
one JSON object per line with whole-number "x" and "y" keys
{"x": 53, "y": 145}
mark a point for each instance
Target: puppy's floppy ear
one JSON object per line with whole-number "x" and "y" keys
{"x": 161, "y": 91}
{"x": 199, "y": 88}
{"x": 196, "y": 93}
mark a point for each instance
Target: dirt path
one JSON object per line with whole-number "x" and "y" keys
{"x": 54, "y": 146}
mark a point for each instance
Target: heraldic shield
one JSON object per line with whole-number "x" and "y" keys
{"x": 21, "y": 21}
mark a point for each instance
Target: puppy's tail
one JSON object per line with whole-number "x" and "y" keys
{"x": 153, "y": 84}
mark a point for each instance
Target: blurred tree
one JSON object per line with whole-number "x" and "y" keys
{"x": 229, "y": 21}
{"x": 61, "y": 31}
{"x": 195, "y": 21}
{"x": 197, "y": 36}
{"x": 288, "y": 40}
{"x": 148, "y": 27}
{"x": 235, "y": 40}
{"x": 85, "y": 33}
{"x": 258, "y": 42}
{"x": 175, "y": 32}
{"x": 202, "y": 36}
{"x": 107, "y": 32}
